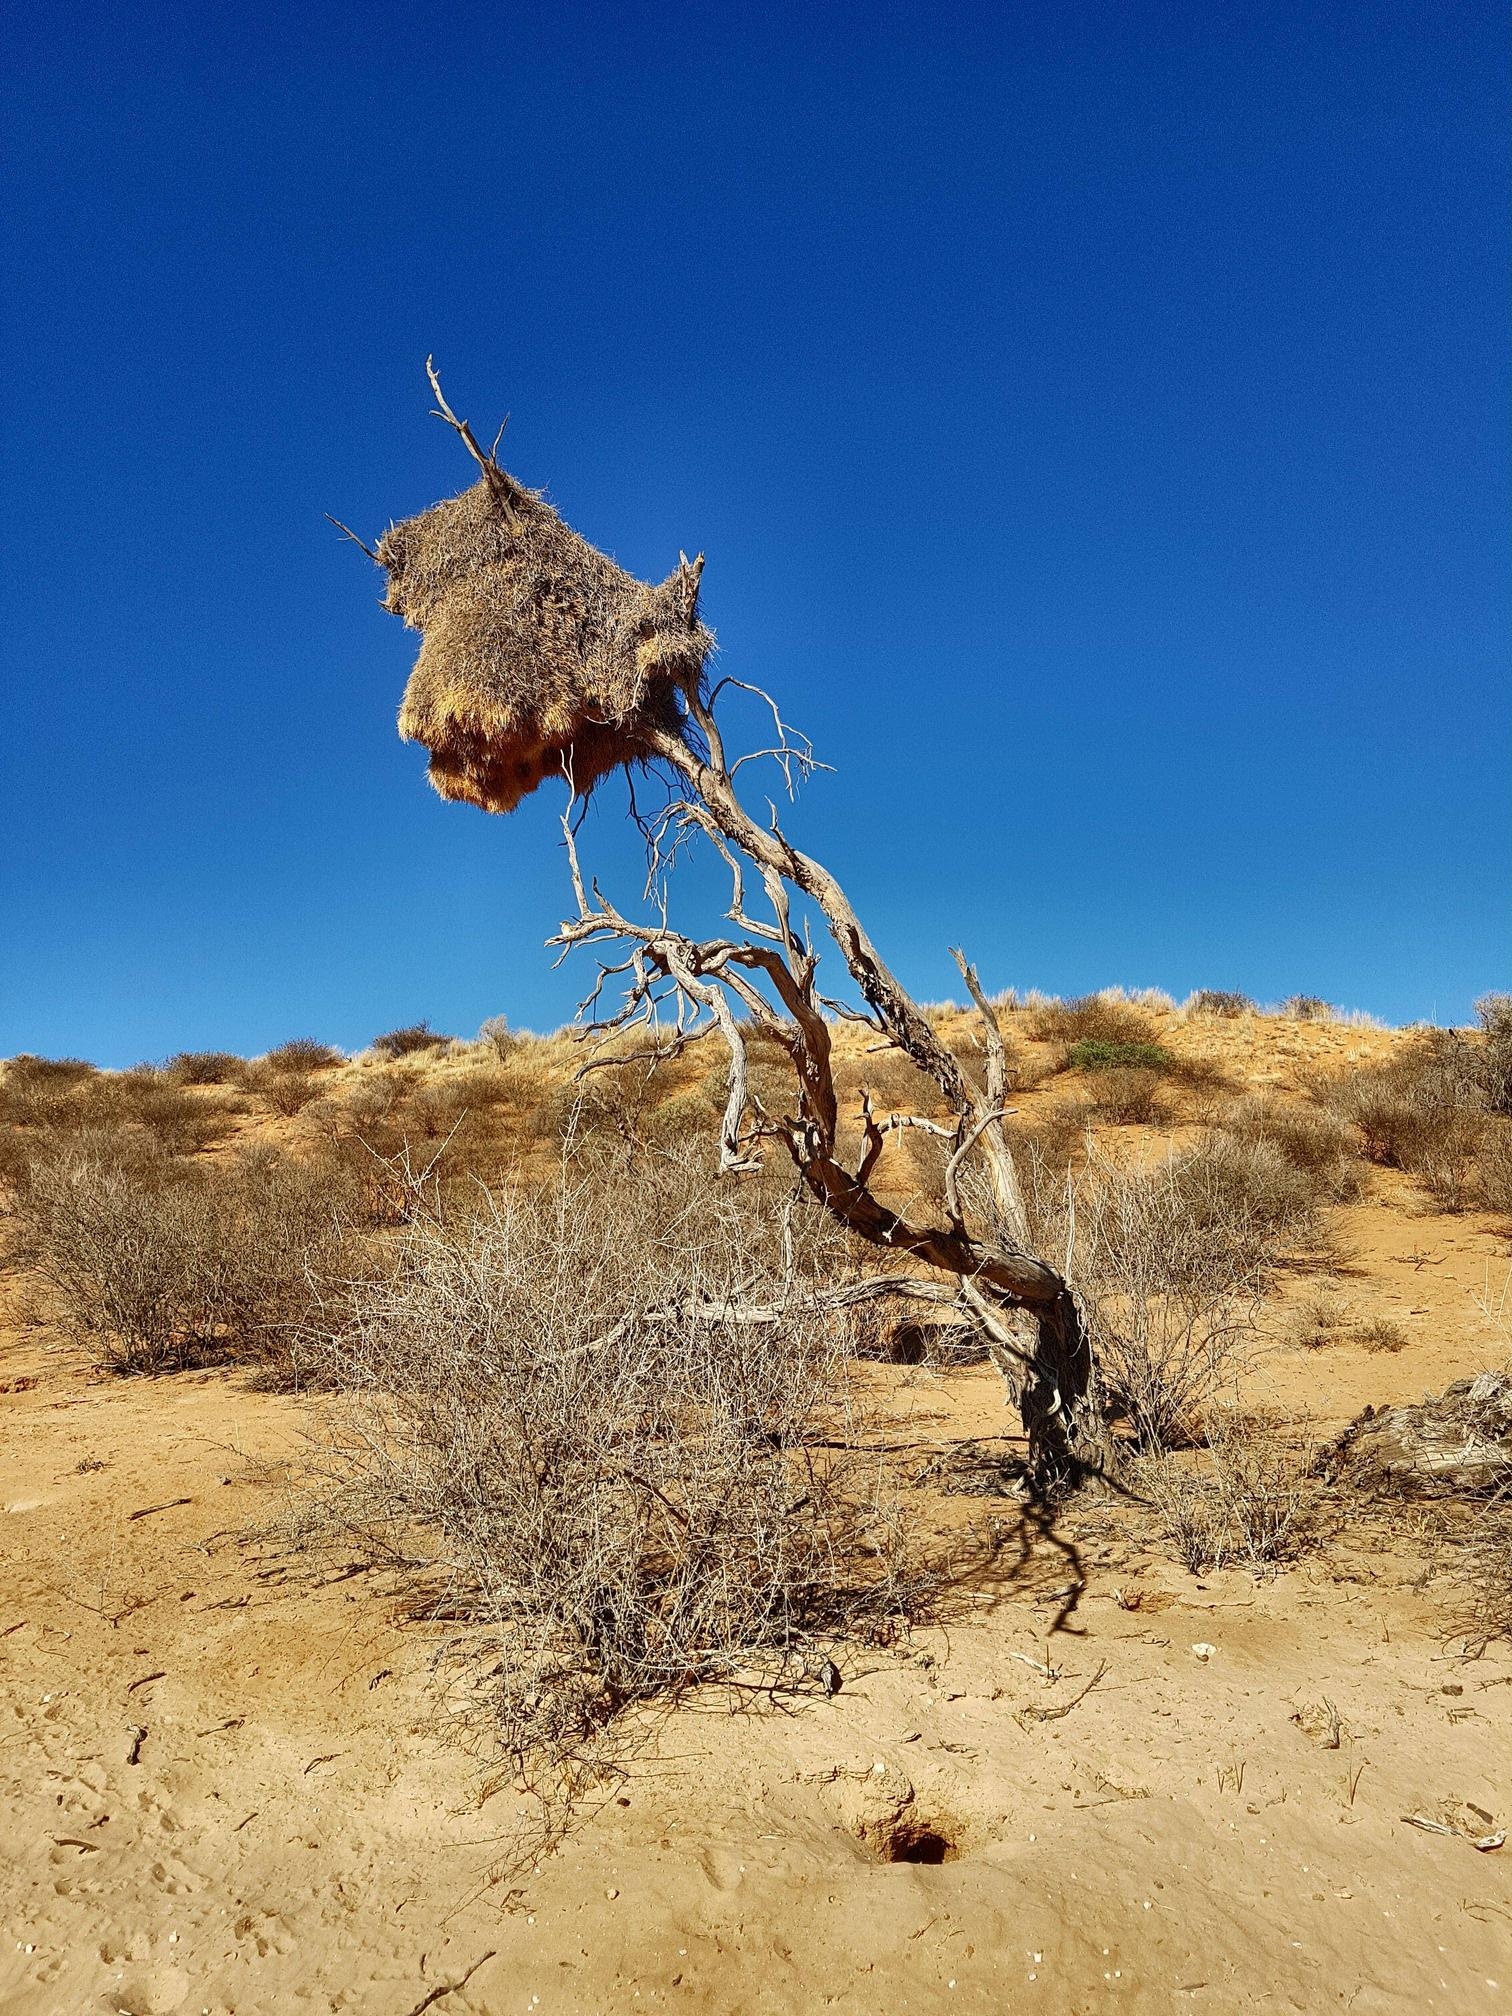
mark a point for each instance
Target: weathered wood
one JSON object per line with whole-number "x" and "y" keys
{"x": 1455, "y": 1444}
{"x": 717, "y": 982}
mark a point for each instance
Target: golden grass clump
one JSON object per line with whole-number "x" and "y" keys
{"x": 538, "y": 651}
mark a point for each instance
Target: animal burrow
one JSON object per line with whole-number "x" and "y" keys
{"x": 912, "y": 1839}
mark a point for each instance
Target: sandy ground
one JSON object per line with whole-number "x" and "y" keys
{"x": 223, "y": 1786}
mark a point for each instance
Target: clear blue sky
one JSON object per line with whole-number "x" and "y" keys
{"x": 1094, "y": 416}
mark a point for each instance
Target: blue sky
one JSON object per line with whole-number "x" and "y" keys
{"x": 1094, "y": 417}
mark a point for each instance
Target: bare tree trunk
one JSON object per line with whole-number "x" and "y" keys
{"x": 764, "y": 977}
{"x": 1061, "y": 1403}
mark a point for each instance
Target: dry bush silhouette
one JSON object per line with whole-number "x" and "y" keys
{"x": 1307, "y": 1008}
{"x": 564, "y": 1427}
{"x": 410, "y": 1041}
{"x": 497, "y": 1037}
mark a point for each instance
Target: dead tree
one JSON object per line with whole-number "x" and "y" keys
{"x": 541, "y": 657}
{"x": 764, "y": 976}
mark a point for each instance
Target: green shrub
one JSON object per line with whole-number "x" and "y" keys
{"x": 1101, "y": 1054}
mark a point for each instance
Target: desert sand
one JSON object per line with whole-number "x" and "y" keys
{"x": 227, "y": 1784}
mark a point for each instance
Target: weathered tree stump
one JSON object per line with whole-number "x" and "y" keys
{"x": 1456, "y": 1444}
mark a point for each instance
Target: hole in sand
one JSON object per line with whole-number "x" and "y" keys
{"x": 914, "y": 1841}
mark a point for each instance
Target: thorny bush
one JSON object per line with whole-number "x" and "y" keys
{"x": 559, "y": 1429}
{"x": 1170, "y": 1262}
{"x": 152, "y": 1265}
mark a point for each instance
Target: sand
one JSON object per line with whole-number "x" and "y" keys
{"x": 226, "y": 1784}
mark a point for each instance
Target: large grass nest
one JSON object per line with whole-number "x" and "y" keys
{"x": 540, "y": 657}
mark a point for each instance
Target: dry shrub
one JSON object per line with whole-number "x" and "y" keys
{"x": 1220, "y": 1002}
{"x": 895, "y": 1082}
{"x": 1448, "y": 1164}
{"x": 1484, "y": 1608}
{"x": 1379, "y": 1333}
{"x": 1091, "y": 1018}
{"x": 559, "y": 1433}
{"x": 688, "y": 1120}
{"x": 1432, "y": 1111}
{"x": 613, "y": 1103}
{"x": 46, "y": 1097}
{"x": 27, "y": 1072}
{"x": 1494, "y": 1169}
{"x": 1400, "y": 1105}
{"x": 1049, "y": 1139}
{"x": 1128, "y": 1096}
{"x": 1320, "y": 1320}
{"x": 38, "y": 1094}
{"x": 1170, "y": 1263}
{"x": 206, "y": 1067}
{"x": 360, "y": 1136}
{"x": 152, "y": 1267}
{"x": 1323, "y": 1318}
{"x": 394, "y": 1122}
{"x": 287, "y": 1092}
{"x": 1316, "y": 1143}
{"x": 1249, "y": 1499}
{"x": 303, "y": 1053}
{"x": 497, "y": 1037}
{"x": 410, "y": 1041}
{"x": 1306, "y": 1008}
{"x": 181, "y": 1120}
{"x": 1494, "y": 1063}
